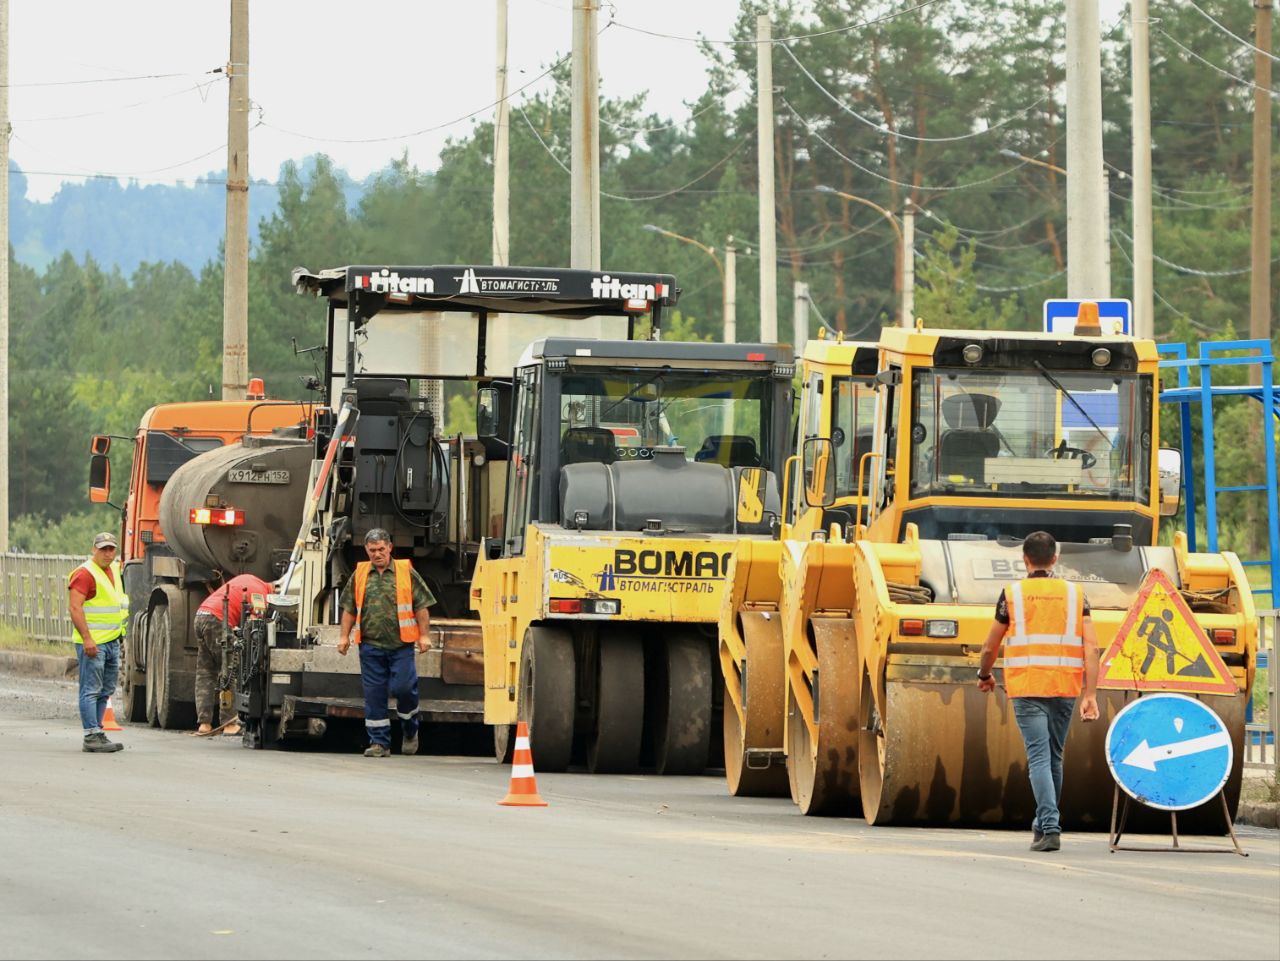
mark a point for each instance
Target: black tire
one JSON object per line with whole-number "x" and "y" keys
{"x": 504, "y": 742}
{"x": 548, "y": 696}
{"x": 682, "y": 729}
{"x": 132, "y": 675}
{"x": 619, "y": 706}
{"x": 172, "y": 711}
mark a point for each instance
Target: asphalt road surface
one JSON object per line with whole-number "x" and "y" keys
{"x": 184, "y": 848}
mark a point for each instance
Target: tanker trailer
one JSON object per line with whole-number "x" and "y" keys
{"x": 230, "y": 511}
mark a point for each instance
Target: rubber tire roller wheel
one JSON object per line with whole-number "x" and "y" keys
{"x": 682, "y": 732}
{"x": 619, "y": 700}
{"x": 548, "y": 696}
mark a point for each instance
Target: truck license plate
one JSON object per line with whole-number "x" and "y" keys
{"x": 240, "y": 475}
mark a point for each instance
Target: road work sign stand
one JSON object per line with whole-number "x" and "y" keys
{"x": 1169, "y": 752}
{"x": 1166, "y": 750}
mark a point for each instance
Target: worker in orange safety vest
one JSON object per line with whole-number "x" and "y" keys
{"x": 1050, "y": 657}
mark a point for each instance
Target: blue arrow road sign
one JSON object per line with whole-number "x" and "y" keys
{"x": 1169, "y": 751}
{"x": 1114, "y": 316}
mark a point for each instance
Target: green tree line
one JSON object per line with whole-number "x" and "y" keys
{"x": 927, "y": 104}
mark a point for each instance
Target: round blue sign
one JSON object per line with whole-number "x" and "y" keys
{"x": 1169, "y": 751}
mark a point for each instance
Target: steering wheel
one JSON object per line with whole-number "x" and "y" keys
{"x": 1074, "y": 453}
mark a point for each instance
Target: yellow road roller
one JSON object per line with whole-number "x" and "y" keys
{"x": 981, "y": 437}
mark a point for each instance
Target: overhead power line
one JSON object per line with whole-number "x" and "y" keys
{"x": 200, "y": 87}
{"x": 779, "y": 40}
{"x": 1226, "y": 73}
{"x": 1234, "y": 36}
{"x": 885, "y": 129}
{"x": 638, "y": 199}
{"x": 78, "y": 83}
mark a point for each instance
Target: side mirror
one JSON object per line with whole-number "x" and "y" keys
{"x": 99, "y": 478}
{"x": 819, "y": 472}
{"x": 1169, "y": 463}
{"x": 101, "y": 444}
{"x": 751, "y": 490}
{"x": 487, "y": 412}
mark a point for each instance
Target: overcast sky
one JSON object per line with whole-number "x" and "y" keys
{"x": 321, "y": 71}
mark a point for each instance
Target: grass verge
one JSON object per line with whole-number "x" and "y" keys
{"x": 12, "y": 639}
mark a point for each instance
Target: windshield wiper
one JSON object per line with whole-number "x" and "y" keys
{"x": 630, "y": 395}
{"x": 1075, "y": 403}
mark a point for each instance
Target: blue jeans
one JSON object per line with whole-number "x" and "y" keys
{"x": 97, "y": 682}
{"x": 1044, "y": 722}
{"x": 387, "y": 674}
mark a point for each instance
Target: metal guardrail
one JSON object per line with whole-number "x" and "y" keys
{"x": 1262, "y": 734}
{"x": 33, "y": 594}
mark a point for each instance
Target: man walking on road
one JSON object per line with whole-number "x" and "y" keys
{"x": 99, "y": 611}
{"x": 208, "y": 631}
{"x": 1050, "y": 652}
{"x": 386, "y": 602}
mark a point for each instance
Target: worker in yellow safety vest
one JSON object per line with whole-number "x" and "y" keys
{"x": 99, "y": 610}
{"x": 385, "y": 602}
{"x": 1050, "y": 656}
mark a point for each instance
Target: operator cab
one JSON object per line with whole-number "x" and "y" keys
{"x": 613, "y": 435}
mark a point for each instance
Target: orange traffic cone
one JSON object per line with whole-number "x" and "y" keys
{"x": 109, "y": 719}
{"x": 524, "y": 786}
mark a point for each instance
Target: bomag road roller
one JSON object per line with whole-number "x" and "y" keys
{"x": 762, "y": 609}
{"x": 600, "y": 597}
{"x": 982, "y": 437}
{"x": 406, "y": 350}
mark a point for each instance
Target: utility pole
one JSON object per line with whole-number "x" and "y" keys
{"x": 799, "y": 315}
{"x": 1260, "y": 277}
{"x": 1086, "y": 258}
{"x": 1144, "y": 316}
{"x": 764, "y": 161}
{"x": 730, "y": 291}
{"x": 502, "y": 152}
{"x": 909, "y": 265}
{"x": 584, "y": 247}
{"x": 4, "y": 275}
{"x": 235, "y": 284}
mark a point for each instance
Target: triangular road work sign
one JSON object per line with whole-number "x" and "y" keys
{"x": 1160, "y": 647}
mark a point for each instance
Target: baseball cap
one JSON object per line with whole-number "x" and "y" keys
{"x": 105, "y": 539}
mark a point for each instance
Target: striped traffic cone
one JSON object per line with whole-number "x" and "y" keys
{"x": 109, "y": 722}
{"x": 524, "y": 786}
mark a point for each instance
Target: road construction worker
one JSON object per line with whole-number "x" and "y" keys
{"x": 386, "y": 603}
{"x": 234, "y": 594}
{"x": 1050, "y": 655}
{"x": 99, "y": 612}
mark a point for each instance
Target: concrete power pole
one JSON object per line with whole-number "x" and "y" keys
{"x": 799, "y": 315}
{"x": 909, "y": 265}
{"x": 4, "y": 275}
{"x": 1260, "y": 278}
{"x": 1086, "y": 209}
{"x": 235, "y": 285}
{"x": 584, "y": 247}
{"x": 502, "y": 152}
{"x": 1144, "y": 315}
{"x": 730, "y": 292}
{"x": 764, "y": 155}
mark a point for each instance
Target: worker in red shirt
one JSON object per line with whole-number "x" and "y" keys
{"x": 208, "y": 630}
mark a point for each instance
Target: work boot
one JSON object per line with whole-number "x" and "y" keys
{"x": 377, "y": 750}
{"x": 409, "y": 746}
{"x": 98, "y": 744}
{"x": 1049, "y": 842}
{"x": 1036, "y": 836}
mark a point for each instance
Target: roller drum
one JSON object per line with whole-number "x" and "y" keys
{"x": 266, "y": 480}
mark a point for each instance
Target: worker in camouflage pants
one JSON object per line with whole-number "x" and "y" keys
{"x": 239, "y": 592}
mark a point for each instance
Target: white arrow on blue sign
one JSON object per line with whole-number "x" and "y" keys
{"x": 1114, "y": 316}
{"x": 1169, "y": 751}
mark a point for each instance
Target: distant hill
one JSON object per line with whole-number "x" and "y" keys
{"x": 127, "y": 224}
